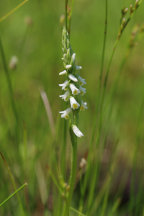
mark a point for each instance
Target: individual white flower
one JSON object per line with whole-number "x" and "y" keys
{"x": 74, "y": 104}
{"x": 65, "y": 113}
{"x": 83, "y": 106}
{"x": 73, "y": 58}
{"x": 78, "y": 67}
{"x": 64, "y": 85}
{"x": 65, "y": 96}
{"x": 81, "y": 80}
{"x": 63, "y": 72}
{"x": 76, "y": 131}
{"x": 64, "y": 56}
{"x": 74, "y": 89}
{"x": 73, "y": 78}
{"x": 82, "y": 90}
{"x": 68, "y": 66}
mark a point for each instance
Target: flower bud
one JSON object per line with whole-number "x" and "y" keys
{"x": 13, "y": 63}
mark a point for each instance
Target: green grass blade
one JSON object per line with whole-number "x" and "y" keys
{"x": 12, "y": 11}
{"x": 76, "y": 211}
{"x": 14, "y": 193}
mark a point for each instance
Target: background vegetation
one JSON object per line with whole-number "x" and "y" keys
{"x": 32, "y": 150}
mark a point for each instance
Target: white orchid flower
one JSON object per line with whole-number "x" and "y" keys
{"x": 63, "y": 72}
{"x": 76, "y": 131}
{"x": 82, "y": 90}
{"x": 68, "y": 66}
{"x": 83, "y": 106}
{"x": 74, "y": 89}
{"x": 65, "y": 96}
{"x": 74, "y": 104}
{"x": 78, "y": 67}
{"x": 64, "y": 85}
{"x": 65, "y": 113}
{"x": 73, "y": 78}
{"x": 81, "y": 80}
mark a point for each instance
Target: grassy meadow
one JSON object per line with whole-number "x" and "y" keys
{"x": 35, "y": 144}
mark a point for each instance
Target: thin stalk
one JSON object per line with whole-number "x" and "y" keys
{"x": 135, "y": 155}
{"x": 13, "y": 11}
{"x": 99, "y": 94}
{"x": 10, "y": 88}
{"x": 66, "y": 14}
{"x": 94, "y": 176}
{"x": 12, "y": 181}
{"x": 101, "y": 69}
{"x": 14, "y": 193}
{"x": 63, "y": 153}
{"x": 122, "y": 29}
{"x": 79, "y": 213}
{"x": 105, "y": 82}
{"x": 104, "y": 44}
{"x": 73, "y": 173}
{"x": 105, "y": 202}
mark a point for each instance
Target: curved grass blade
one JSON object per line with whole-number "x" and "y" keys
{"x": 11, "y": 195}
{"x": 13, "y": 10}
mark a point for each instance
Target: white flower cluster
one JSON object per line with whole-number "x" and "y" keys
{"x": 73, "y": 85}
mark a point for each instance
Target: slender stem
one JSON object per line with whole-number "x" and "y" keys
{"x": 10, "y": 88}
{"x": 104, "y": 44}
{"x": 13, "y": 11}
{"x": 66, "y": 14}
{"x": 10, "y": 196}
{"x": 63, "y": 159}
{"x": 12, "y": 179}
{"x": 135, "y": 155}
{"x": 100, "y": 110}
{"x": 111, "y": 58}
{"x": 99, "y": 96}
{"x": 8, "y": 81}
{"x": 73, "y": 172}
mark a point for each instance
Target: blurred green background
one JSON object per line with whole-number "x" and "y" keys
{"x": 38, "y": 48}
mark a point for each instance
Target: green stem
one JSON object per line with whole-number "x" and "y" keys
{"x": 97, "y": 104}
{"x": 66, "y": 14}
{"x": 63, "y": 154}
{"x": 10, "y": 196}
{"x": 10, "y": 88}
{"x": 132, "y": 204}
{"x": 104, "y": 44}
{"x": 73, "y": 173}
{"x": 12, "y": 179}
{"x": 110, "y": 61}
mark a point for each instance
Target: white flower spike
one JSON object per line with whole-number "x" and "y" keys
{"x": 73, "y": 86}
{"x": 74, "y": 89}
{"x": 65, "y": 113}
{"x": 65, "y": 96}
{"x": 74, "y": 104}
{"x": 73, "y": 78}
{"x": 64, "y": 85}
{"x": 76, "y": 131}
